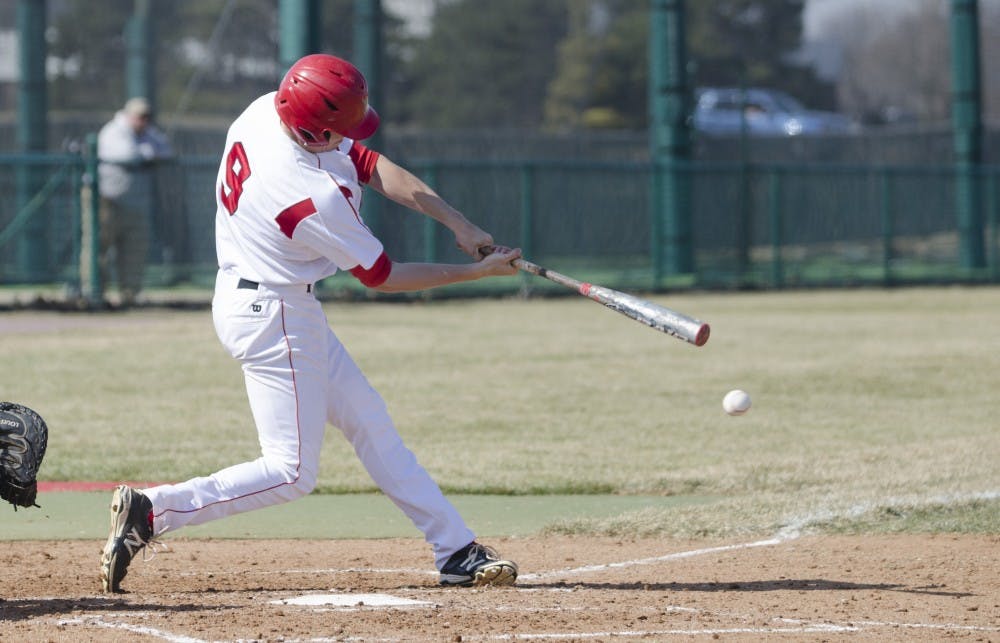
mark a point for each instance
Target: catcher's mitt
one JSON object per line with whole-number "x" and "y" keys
{"x": 23, "y": 438}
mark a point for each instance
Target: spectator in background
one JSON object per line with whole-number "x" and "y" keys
{"x": 127, "y": 148}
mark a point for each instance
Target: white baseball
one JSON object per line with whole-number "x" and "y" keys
{"x": 736, "y": 402}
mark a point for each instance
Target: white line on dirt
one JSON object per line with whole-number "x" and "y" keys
{"x": 678, "y": 632}
{"x": 803, "y": 629}
{"x": 655, "y": 559}
{"x": 929, "y": 626}
{"x": 350, "y": 600}
{"x": 338, "y": 570}
{"x": 137, "y": 629}
{"x": 573, "y": 570}
{"x": 789, "y": 532}
{"x": 542, "y": 575}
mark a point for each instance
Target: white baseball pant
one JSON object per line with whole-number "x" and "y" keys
{"x": 298, "y": 378}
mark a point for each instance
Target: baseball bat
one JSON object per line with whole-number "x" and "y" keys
{"x": 653, "y": 315}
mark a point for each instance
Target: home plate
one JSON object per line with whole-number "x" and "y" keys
{"x": 351, "y": 600}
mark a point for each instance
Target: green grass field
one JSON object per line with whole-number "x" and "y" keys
{"x": 874, "y": 410}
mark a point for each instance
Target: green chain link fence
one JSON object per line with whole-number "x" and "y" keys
{"x": 755, "y": 225}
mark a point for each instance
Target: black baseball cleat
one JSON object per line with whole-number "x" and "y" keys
{"x": 130, "y": 533}
{"x": 477, "y": 565}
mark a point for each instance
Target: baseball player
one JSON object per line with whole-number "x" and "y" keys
{"x": 288, "y": 197}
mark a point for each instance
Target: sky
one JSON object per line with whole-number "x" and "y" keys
{"x": 820, "y": 44}
{"x": 818, "y": 13}
{"x": 416, "y": 12}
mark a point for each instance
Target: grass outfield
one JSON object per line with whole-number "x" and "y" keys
{"x": 874, "y": 410}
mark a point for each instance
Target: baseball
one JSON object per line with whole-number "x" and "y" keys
{"x": 736, "y": 402}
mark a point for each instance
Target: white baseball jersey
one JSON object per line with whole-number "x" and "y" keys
{"x": 287, "y": 216}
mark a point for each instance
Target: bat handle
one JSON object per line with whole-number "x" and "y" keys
{"x": 519, "y": 263}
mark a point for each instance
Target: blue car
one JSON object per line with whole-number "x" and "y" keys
{"x": 763, "y": 112}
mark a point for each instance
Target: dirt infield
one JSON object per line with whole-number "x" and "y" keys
{"x": 925, "y": 588}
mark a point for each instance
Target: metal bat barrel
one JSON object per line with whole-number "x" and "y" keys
{"x": 653, "y": 315}
{"x": 662, "y": 319}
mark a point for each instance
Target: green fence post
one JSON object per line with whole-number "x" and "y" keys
{"x": 527, "y": 208}
{"x": 777, "y": 228}
{"x": 885, "y": 211}
{"x": 367, "y": 54}
{"x": 744, "y": 225}
{"x": 967, "y": 122}
{"x": 298, "y": 30}
{"x": 430, "y": 225}
{"x": 139, "y": 53}
{"x": 76, "y": 204}
{"x": 33, "y": 258}
{"x": 992, "y": 208}
{"x": 94, "y": 287}
{"x": 527, "y": 216}
{"x": 656, "y": 223}
{"x": 670, "y": 132}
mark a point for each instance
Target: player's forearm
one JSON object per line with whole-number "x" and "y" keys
{"x": 438, "y": 209}
{"x": 427, "y": 202}
{"x": 405, "y": 188}
{"x": 420, "y": 276}
{"x": 406, "y": 277}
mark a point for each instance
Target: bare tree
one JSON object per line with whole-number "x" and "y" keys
{"x": 897, "y": 64}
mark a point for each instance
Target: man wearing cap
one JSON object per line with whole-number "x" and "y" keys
{"x": 288, "y": 198}
{"x": 127, "y": 147}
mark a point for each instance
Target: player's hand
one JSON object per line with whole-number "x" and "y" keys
{"x": 498, "y": 260}
{"x": 470, "y": 238}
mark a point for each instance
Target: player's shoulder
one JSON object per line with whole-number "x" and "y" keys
{"x": 258, "y": 115}
{"x": 264, "y": 101}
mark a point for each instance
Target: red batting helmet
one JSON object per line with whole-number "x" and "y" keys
{"x": 321, "y": 94}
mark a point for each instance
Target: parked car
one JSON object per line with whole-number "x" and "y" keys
{"x": 764, "y": 112}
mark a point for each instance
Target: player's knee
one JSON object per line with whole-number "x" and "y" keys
{"x": 304, "y": 484}
{"x": 292, "y": 479}
{"x": 290, "y": 490}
